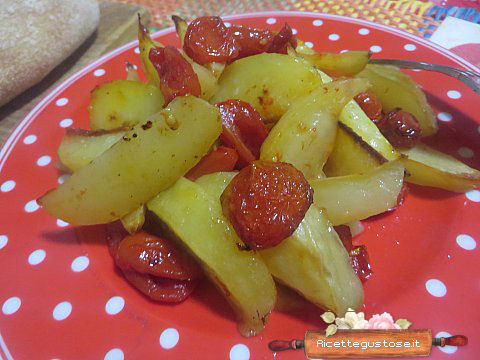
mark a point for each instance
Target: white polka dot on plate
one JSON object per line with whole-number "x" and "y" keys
{"x": 239, "y": 352}
{"x": 37, "y": 256}
{"x": 454, "y": 94}
{"x": 169, "y": 338}
{"x": 444, "y": 116}
{"x": 436, "y": 288}
{"x": 80, "y": 263}
{"x": 317, "y": 22}
{"x": 114, "y": 354}
{"x": 473, "y": 195}
{"x": 294, "y": 31}
{"x": 31, "y": 206}
{"x": 448, "y": 349}
{"x": 62, "y": 311}
{"x": 466, "y": 242}
{"x": 61, "y": 102}
{"x": 333, "y": 37}
{"x": 99, "y": 72}
{"x": 3, "y": 241}
{"x": 137, "y": 50}
{"x": 227, "y": 24}
{"x": 309, "y": 44}
{"x": 11, "y": 305}
{"x": 344, "y": 51}
{"x": 375, "y": 49}
{"x": 62, "y": 223}
{"x": 410, "y": 47}
{"x": 63, "y": 178}
{"x": 29, "y": 139}
{"x": 271, "y": 21}
{"x": 364, "y": 31}
{"x": 44, "y": 160}
{"x": 66, "y": 123}
{"x": 114, "y": 305}
{"x": 7, "y": 186}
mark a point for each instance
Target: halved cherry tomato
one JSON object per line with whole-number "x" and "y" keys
{"x": 361, "y": 263}
{"x": 401, "y": 128}
{"x": 251, "y": 41}
{"x": 370, "y": 105}
{"x": 243, "y": 129}
{"x": 161, "y": 289}
{"x": 150, "y": 254}
{"x": 207, "y": 40}
{"x": 266, "y": 201}
{"x": 155, "y": 266}
{"x": 176, "y": 74}
{"x": 221, "y": 159}
{"x": 345, "y": 236}
{"x": 281, "y": 40}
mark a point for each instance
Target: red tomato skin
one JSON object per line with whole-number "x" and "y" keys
{"x": 221, "y": 159}
{"x": 176, "y": 74}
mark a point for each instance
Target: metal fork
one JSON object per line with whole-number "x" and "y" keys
{"x": 468, "y": 77}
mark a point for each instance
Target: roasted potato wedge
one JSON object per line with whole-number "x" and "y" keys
{"x": 350, "y": 154}
{"x": 433, "y": 168}
{"x": 268, "y": 82}
{"x": 80, "y": 147}
{"x": 180, "y": 27}
{"x": 356, "y": 197}
{"x": 121, "y": 103}
{"x": 396, "y": 89}
{"x": 133, "y": 221}
{"x": 145, "y": 44}
{"x": 312, "y": 261}
{"x": 304, "y": 136}
{"x": 354, "y": 118}
{"x": 197, "y": 220}
{"x": 348, "y": 63}
{"x": 148, "y": 159}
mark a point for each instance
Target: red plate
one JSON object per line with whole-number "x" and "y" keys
{"x": 61, "y": 296}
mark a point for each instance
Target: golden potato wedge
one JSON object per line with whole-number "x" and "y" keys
{"x": 197, "y": 220}
{"x": 350, "y": 154}
{"x": 304, "y": 136}
{"x": 356, "y": 197}
{"x": 121, "y": 103}
{"x": 312, "y": 261}
{"x": 348, "y": 63}
{"x": 79, "y": 147}
{"x": 396, "y": 89}
{"x": 148, "y": 159}
{"x": 354, "y": 118}
{"x": 180, "y": 27}
{"x": 268, "y": 82}
{"x": 433, "y": 168}
{"x": 145, "y": 44}
{"x": 134, "y": 221}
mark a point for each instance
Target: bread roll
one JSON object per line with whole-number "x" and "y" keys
{"x": 36, "y": 36}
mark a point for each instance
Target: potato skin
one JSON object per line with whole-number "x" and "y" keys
{"x": 266, "y": 201}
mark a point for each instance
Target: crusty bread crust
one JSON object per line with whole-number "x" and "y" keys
{"x": 37, "y": 35}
